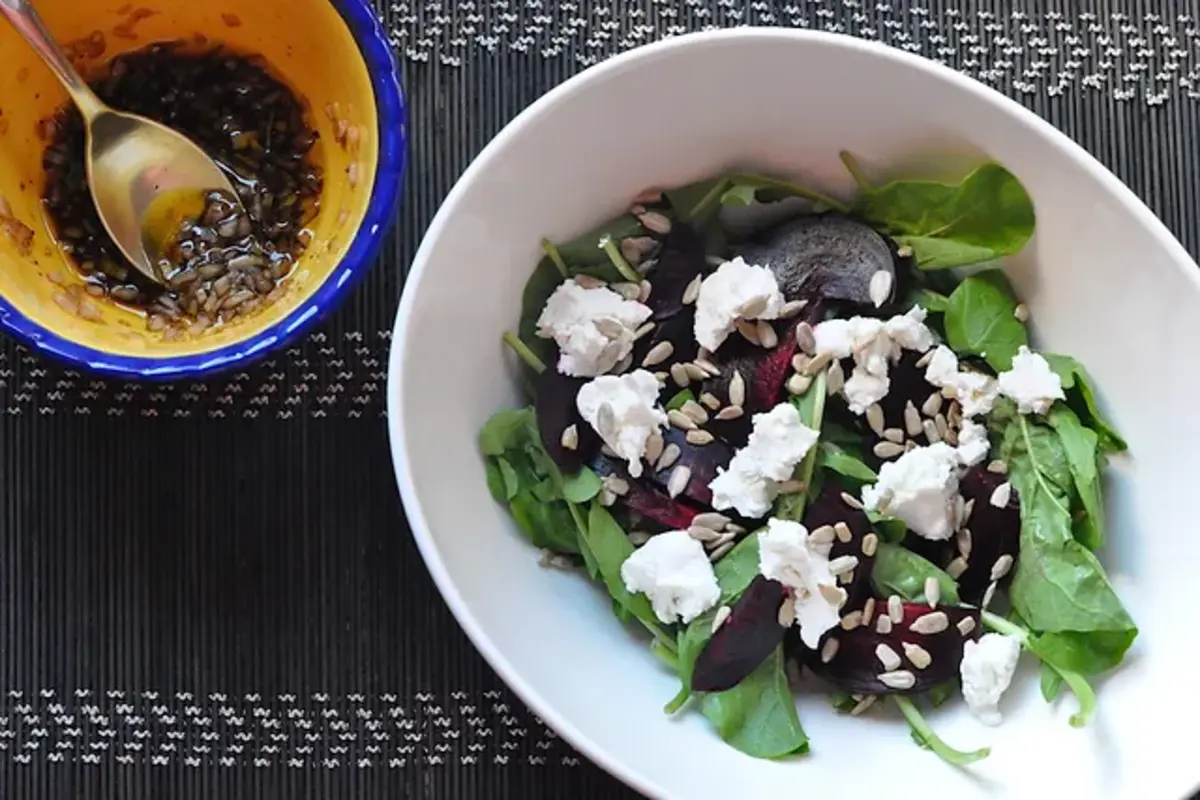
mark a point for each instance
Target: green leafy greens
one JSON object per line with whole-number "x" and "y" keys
{"x": 981, "y": 319}
{"x": 900, "y": 571}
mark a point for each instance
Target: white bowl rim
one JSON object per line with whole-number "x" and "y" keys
{"x": 418, "y": 524}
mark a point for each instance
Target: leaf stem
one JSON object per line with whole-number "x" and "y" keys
{"x": 556, "y": 257}
{"x": 797, "y": 189}
{"x": 522, "y": 350}
{"x": 714, "y": 194}
{"x": 925, "y": 734}
{"x": 855, "y": 171}
{"x": 678, "y": 701}
{"x": 1001, "y": 625}
{"x": 614, "y": 255}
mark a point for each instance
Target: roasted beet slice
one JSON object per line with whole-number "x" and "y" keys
{"x": 830, "y": 508}
{"x": 702, "y": 461}
{"x": 556, "y": 411}
{"x": 763, "y": 373}
{"x": 680, "y": 260}
{"x": 747, "y": 637}
{"x": 679, "y": 330}
{"x": 995, "y": 534}
{"x": 922, "y": 649}
{"x": 830, "y": 256}
{"x": 646, "y": 499}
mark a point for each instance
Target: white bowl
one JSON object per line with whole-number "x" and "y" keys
{"x": 1104, "y": 279}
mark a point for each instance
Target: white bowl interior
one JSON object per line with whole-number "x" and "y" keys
{"x": 1105, "y": 283}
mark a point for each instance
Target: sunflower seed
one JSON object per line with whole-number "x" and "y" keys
{"x": 887, "y": 449}
{"x": 822, "y": 535}
{"x": 863, "y": 705}
{"x": 692, "y": 291}
{"x": 608, "y": 451}
{"x": 694, "y": 411}
{"x": 638, "y": 538}
{"x": 798, "y": 384}
{"x": 662, "y": 378}
{"x": 655, "y": 222}
{"x": 835, "y": 378}
{"x": 963, "y": 540}
{"x": 956, "y": 568}
{"x": 868, "y": 611}
{"x": 870, "y": 544}
{"x": 931, "y": 432}
{"x": 766, "y": 334}
{"x": 709, "y": 368}
{"x": 642, "y": 331}
{"x": 933, "y": 591}
{"x": 617, "y": 485}
{"x": 710, "y": 400}
{"x": 720, "y": 617}
{"x": 570, "y": 437}
{"x": 670, "y": 455}
{"x": 818, "y": 363}
{"x": 754, "y": 309}
{"x": 680, "y": 476}
{"x": 829, "y": 650}
{"x": 998, "y": 467}
{"x": 631, "y": 252}
{"x": 792, "y": 486}
{"x": 1002, "y": 567}
{"x": 607, "y": 498}
{"x": 644, "y": 290}
{"x": 888, "y": 657}
{"x": 730, "y": 412}
{"x": 787, "y": 612}
{"x": 875, "y": 418}
{"x": 954, "y": 415}
{"x": 702, "y": 534}
{"x": 658, "y": 354}
{"x": 932, "y": 404}
{"x": 852, "y": 501}
{"x": 735, "y": 529}
{"x": 748, "y": 330}
{"x": 680, "y": 375}
{"x": 842, "y": 564}
{"x": 843, "y": 532}
{"x": 846, "y": 577}
{"x": 918, "y": 656}
{"x": 950, "y": 437}
{"x": 699, "y": 437}
{"x": 832, "y": 594}
{"x": 852, "y": 620}
{"x": 792, "y": 308}
{"x": 900, "y": 679}
{"x": 1021, "y": 312}
{"x": 883, "y": 625}
{"x": 924, "y": 360}
{"x": 805, "y": 339}
{"x": 894, "y": 435}
{"x": 967, "y": 509}
{"x": 590, "y": 282}
{"x": 681, "y": 420}
{"x": 712, "y": 520}
{"x": 552, "y": 560}
{"x": 880, "y": 287}
{"x": 695, "y": 372}
{"x": 988, "y": 595}
{"x": 912, "y": 419}
{"x": 623, "y": 365}
{"x": 800, "y": 362}
{"x": 896, "y": 608}
{"x": 654, "y": 447}
{"x": 719, "y": 553}
{"x": 1002, "y": 495}
{"x": 737, "y": 389}
{"x": 628, "y": 291}
{"x": 933, "y": 622}
{"x": 965, "y": 625}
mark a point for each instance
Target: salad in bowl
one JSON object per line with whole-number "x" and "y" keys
{"x": 808, "y": 445}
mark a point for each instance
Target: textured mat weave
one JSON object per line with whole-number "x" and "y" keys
{"x": 250, "y": 618}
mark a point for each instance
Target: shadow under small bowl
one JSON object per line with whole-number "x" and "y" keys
{"x": 335, "y": 55}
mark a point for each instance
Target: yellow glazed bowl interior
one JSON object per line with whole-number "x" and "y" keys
{"x": 305, "y": 42}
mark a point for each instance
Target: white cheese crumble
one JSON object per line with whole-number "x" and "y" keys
{"x": 674, "y": 572}
{"x": 987, "y": 669}
{"x": 1031, "y": 383}
{"x": 863, "y": 390}
{"x": 623, "y": 410}
{"x": 975, "y": 392}
{"x": 973, "y": 444}
{"x": 786, "y": 554}
{"x": 920, "y": 488}
{"x": 736, "y": 290}
{"x": 872, "y": 343}
{"x": 777, "y": 444}
{"x": 593, "y": 328}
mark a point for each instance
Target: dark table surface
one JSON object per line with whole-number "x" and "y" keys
{"x": 208, "y": 590}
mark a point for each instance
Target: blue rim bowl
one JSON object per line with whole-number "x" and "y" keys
{"x": 392, "y": 114}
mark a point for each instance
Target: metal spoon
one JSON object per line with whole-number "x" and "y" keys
{"x": 145, "y": 178}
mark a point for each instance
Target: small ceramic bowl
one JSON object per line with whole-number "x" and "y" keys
{"x": 334, "y": 54}
{"x": 1103, "y": 279}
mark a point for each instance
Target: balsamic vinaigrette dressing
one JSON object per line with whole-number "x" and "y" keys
{"x": 220, "y": 264}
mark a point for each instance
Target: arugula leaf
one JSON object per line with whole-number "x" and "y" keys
{"x": 924, "y": 736}
{"x": 811, "y": 406}
{"x": 738, "y": 568}
{"x": 835, "y": 459}
{"x": 985, "y": 216}
{"x": 980, "y": 319}
{"x": 582, "y": 486}
{"x": 1081, "y": 448}
{"x": 1081, "y": 397}
{"x": 758, "y": 716}
{"x": 899, "y": 570}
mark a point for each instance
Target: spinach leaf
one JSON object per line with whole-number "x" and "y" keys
{"x": 1081, "y": 397}
{"x": 1051, "y": 682}
{"x": 1059, "y": 588}
{"x": 695, "y": 202}
{"x": 678, "y": 399}
{"x": 980, "y": 319}
{"x": 758, "y": 716}
{"x": 505, "y": 430}
{"x": 738, "y": 568}
{"x": 1081, "y": 448}
{"x": 985, "y": 216}
{"x": 583, "y": 254}
{"x": 899, "y": 570}
{"x": 835, "y": 459}
{"x": 582, "y": 486}
{"x": 888, "y": 528}
{"x": 929, "y": 300}
{"x": 942, "y": 692}
{"x": 495, "y": 481}
{"x": 541, "y": 284}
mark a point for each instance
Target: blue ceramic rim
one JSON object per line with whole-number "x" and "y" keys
{"x": 381, "y": 63}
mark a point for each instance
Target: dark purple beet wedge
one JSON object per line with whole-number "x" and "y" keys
{"x": 750, "y": 634}
{"x": 763, "y": 374}
{"x": 647, "y": 499}
{"x": 680, "y": 261}
{"x": 701, "y": 461}
{"x": 851, "y": 528}
{"x": 991, "y": 547}
{"x": 556, "y": 411}
{"x": 679, "y": 331}
{"x": 920, "y": 648}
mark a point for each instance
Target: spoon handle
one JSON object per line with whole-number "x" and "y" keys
{"x": 27, "y": 22}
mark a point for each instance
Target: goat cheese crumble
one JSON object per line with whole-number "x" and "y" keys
{"x": 777, "y": 444}
{"x": 623, "y": 409}
{"x": 987, "y": 669}
{"x": 973, "y": 444}
{"x": 736, "y": 290}
{"x": 920, "y": 488}
{"x": 1031, "y": 383}
{"x": 872, "y": 343}
{"x": 594, "y": 328}
{"x": 674, "y": 572}
{"x": 787, "y": 555}
{"x": 975, "y": 392}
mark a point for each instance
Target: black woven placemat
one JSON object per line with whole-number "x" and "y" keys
{"x": 209, "y": 591}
